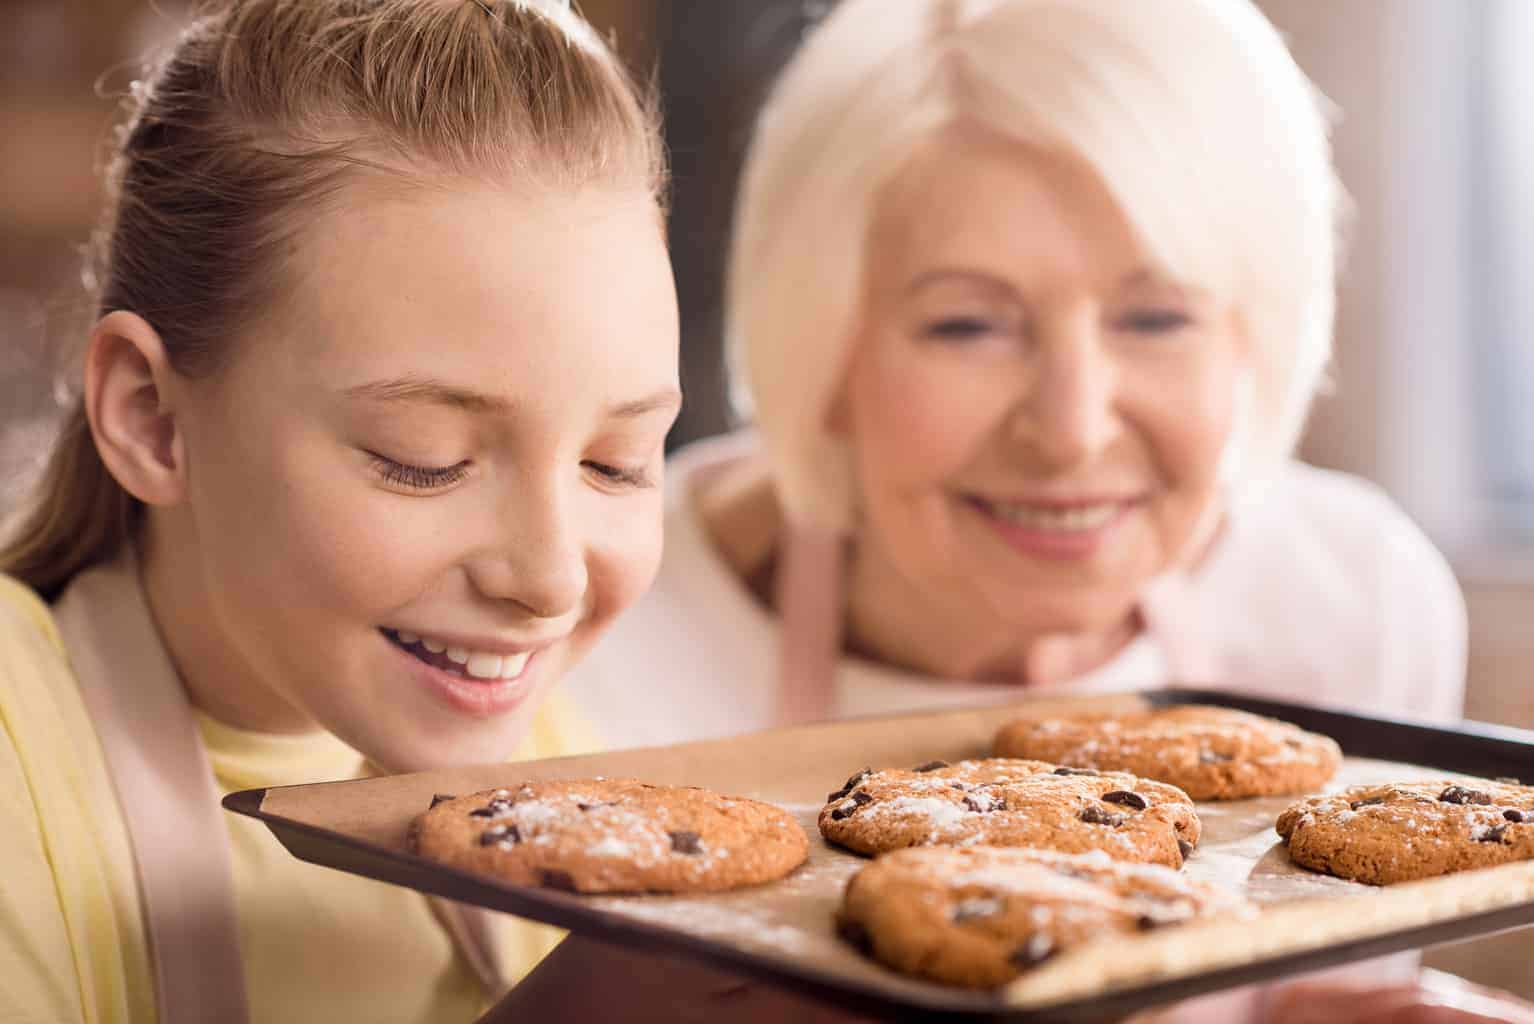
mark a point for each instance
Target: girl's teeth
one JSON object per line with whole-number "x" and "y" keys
{"x": 476, "y": 664}
{"x": 483, "y": 666}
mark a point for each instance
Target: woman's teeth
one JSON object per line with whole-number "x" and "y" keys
{"x": 475, "y": 664}
{"x": 1079, "y": 519}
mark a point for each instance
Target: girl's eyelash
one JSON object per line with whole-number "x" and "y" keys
{"x": 418, "y": 478}
{"x": 619, "y": 475}
{"x": 958, "y": 328}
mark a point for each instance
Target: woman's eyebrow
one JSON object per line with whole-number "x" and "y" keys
{"x": 960, "y": 274}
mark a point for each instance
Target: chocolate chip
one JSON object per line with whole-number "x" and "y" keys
{"x": 1185, "y": 848}
{"x": 1075, "y": 771}
{"x": 858, "y": 800}
{"x": 1095, "y": 815}
{"x": 1127, "y": 799}
{"x": 962, "y": 787}
{"x": 854, "y": 933}
{"x": 1213, "y": 757}
{"x": 1492, "y": 835}
{"x": 1461, "y": 795}
{"x": 592, "y": 807}
{"x": 983, "y": 906}
{"x": 441, "y": 798}
{"x": 983, "y": 803}
{"x": 1368, "y": 801}
{"x": 551, "y": 878}
{"x": 930, "y": 766}
{"x": 1517, "y": 817}
{"x": 1035, "y": 951}
{"x": 1147, "y": 922}
{"x": 500, "y": 834}
{"x": 684, "y": 842}
{"x": 847, "y": 786}
{"x": 497, "y": 806}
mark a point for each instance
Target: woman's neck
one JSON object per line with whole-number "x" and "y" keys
{"x": 892, "y": 621}
{"x": 887, "y": 620}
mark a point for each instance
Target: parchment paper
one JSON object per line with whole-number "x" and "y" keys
{"x": 789, "y": 923}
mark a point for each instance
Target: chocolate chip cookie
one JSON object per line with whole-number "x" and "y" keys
{"x": 980, "y": 916}
{"x": 612, "y": 835}
{"x": 1405, "y": 831}
{"x": 1005, "y": 802}
{"x": 1210, "y": 753}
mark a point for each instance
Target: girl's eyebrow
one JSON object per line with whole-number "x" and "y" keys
{"x": 435, "y": 392}
{"x": 427, "y": 390}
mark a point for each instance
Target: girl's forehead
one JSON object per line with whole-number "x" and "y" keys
{"x": 480, "y": 289}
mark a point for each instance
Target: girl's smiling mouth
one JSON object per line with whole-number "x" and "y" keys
{"x": 482, "y": 684}
{"x": 487, "y": 666}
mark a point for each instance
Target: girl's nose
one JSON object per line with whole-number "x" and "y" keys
{"x": 538, "y": 560}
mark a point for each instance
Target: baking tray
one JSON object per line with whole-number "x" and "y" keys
{"x": 783, "y": 933}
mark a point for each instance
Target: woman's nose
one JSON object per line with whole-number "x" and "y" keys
{"x": 538, "y": 559}
{"x": 1066, "y": 414}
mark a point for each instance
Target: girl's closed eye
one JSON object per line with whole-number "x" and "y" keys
{"x": 636, "y": 477}
{"x": 961, "y": 328}
{"x": 419, "y": 479}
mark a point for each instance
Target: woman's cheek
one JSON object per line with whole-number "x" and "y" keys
{"x": 922, "y": 420}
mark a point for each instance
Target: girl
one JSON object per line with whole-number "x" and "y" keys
{"x": 367, "y": 453}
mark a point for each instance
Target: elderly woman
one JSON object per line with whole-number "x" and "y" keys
{"x": 1029, "y": 303}
{"x": 1029, "y": 300}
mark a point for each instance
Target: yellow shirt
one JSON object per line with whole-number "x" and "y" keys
{"x": 318, "y": 944}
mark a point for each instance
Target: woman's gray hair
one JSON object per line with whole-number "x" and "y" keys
{"x": 1193, "y": 113}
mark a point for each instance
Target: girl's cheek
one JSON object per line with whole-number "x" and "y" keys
{"x": 624, "y": 558}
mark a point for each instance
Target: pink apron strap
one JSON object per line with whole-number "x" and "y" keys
{"x": 472, "y": 930}
{"x": 810, "y": 585}
{"x": 165, "y": 787}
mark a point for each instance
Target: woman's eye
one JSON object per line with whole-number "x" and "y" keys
{"x": 637, "y": 477}
{"x": 1155, "y": 321}
{"x": 959, "y": 328}
{"x": 418, "y": 478}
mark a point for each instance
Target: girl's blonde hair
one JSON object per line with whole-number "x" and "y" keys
{"x": 1192, "y": 112}
{"x": 261, "y": 113}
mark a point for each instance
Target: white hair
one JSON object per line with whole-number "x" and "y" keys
{"x": 1192, "y": 112}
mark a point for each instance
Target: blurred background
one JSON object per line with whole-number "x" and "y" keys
{"x": 1437, "y": 302}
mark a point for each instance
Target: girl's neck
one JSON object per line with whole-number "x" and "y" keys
{"x": 217, "y": 681}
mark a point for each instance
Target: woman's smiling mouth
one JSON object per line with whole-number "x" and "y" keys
{"x": 1054, "y": 530}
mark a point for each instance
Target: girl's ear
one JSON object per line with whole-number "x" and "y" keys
{"x": 128, "y": 405}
